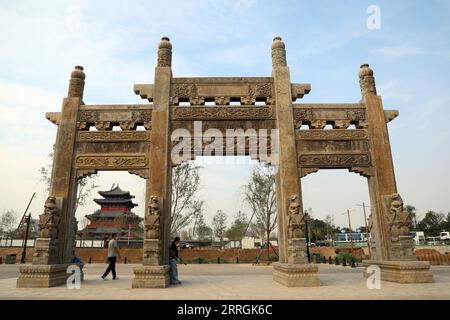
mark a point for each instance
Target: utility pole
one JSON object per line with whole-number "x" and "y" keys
{"x": 25, "y": 213}
{"x": 350, "y": 229}
{"x": 24, "y": 252}
{"x": 24, "y": 216}
{"x": 367, "y": 230}
{"x": 307, "y": 236}
{"x": 129, "y": 231}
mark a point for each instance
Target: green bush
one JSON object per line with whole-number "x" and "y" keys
{"x": 344, "y": 255}
{"x": 273, "y": 257}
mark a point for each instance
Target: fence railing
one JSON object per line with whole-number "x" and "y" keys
{"x": 14, "y": 243}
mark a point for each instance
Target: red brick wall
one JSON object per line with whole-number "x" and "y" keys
{"x": 18, "y": 252}
{"x": 133, "y": 255}
{"x": 433, "y": 256}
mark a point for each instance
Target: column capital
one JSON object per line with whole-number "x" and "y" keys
{"x": 76, "y": 84}
{"x": 367, "y": 80}
{"x": 278, "y": 53}
{"x": 165, "y": 53}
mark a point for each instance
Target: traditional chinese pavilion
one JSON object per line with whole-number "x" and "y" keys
{"x": 114, "y": 216}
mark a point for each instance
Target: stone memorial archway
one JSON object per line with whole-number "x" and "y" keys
{"x": 296, "y": 153}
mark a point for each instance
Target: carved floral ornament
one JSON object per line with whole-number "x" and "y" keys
{"x": 318, "y": 117}
{"x": 111, "y": 161}
{"x": 87, "y": 136}
{"x": 311, "y": 114}
{"x": 332, "y": 134}
{"x": 225, "y": 113}
{"x": 189, "y": 92}
{"x": 334, "y": 160}
{"x": 105, "y": 119}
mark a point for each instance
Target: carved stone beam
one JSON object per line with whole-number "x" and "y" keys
{"x": 143, "y": 173}
{"x": 299, "y": 90}
{"x": 144, "y": 90}
{"x": 305, "y": 171}
{"x": 103, "y": 125}
{"x": 222, "y": 100}
{"x": 363, "y": 171}
{"x": 341, "y": 124}
{"x": 54, "y": 117}
{"x": 317, "y": 124}
{"x": 193, "y": 100}
{"x": 83, "y": 173}
{"x": 363, "y": 124}
{"x": 390, "y": 115}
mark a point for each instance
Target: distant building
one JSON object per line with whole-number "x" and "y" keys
{"x": 114, "y": 216}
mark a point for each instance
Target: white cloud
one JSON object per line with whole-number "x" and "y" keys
{"x": 25, "y": 142}
{"x": 396, "y": 90}
{"x": 244, "y": 4}
{"x": 399, "y": 51}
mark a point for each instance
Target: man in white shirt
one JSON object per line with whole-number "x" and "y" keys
{"x": 113, "y": 253}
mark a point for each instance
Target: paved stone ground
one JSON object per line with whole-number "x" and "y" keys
{"x": 229, "y": 281}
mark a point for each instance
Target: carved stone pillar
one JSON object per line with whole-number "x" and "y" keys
{"x": 389, "y": 227}
{"x": 46, "y": 249}
{"x": 154, "y": 272}
{"x": 291, "y": 250}
{"x": 55, "y": 248}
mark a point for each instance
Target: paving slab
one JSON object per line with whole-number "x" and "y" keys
{"x": 229, "y": 281}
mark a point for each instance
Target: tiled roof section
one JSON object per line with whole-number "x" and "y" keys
{"x": 116, "y": 192}
{"x": 127, "y": 202}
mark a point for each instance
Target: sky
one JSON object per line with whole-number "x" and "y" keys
{"x": 326, "y": 41}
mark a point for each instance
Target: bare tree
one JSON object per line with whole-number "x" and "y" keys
{"x": 412, "y": 212}
{"x": 85, "y": 188}
{"x": 185, "y": 206}
{"x": 238, "y": 228}
{"x": 260, "y": 195}
{"x": 83, "y": 223}
{"x": 201, "y": 229}
{"x": 219, "y": 225}
{"x": 8, "y": 221}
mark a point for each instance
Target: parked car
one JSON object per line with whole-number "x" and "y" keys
{"x": 323, "y": 243}
{"x": 419, "y": 237}
{"x": 184, "y": 245}
{"x": 444, "y": 235}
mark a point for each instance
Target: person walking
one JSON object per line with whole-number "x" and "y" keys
{"x": 113, "y": 253}
{"x": 173, "y": 260}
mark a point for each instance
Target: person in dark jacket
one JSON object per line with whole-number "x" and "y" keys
{"x": 173, "y": 260}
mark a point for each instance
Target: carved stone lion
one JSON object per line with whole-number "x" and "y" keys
{"x": 152, "y": 222}
{"x": 398, "y": 220}
{"x": 296, "y": 220}
{"x": 49, "y": 220}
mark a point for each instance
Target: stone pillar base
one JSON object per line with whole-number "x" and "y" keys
{"x": 401, "y": 271}
{"x": 45, "y": 276}
{"x": 151, "y": 277}
{"x": 296, "y": 275}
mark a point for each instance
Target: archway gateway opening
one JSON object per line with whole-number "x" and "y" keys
{"x": 115, "y": 205}
{"x": 336, "y": 197}
{"x": 148, "y": 153}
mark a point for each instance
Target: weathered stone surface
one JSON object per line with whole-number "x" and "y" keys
{"x": 44, "y": 276}
{"x": 296, "y": 275}
{"x": 402, "y": 271}
{"x": 265, "y": 104}
{"x": 151, "y": 277}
